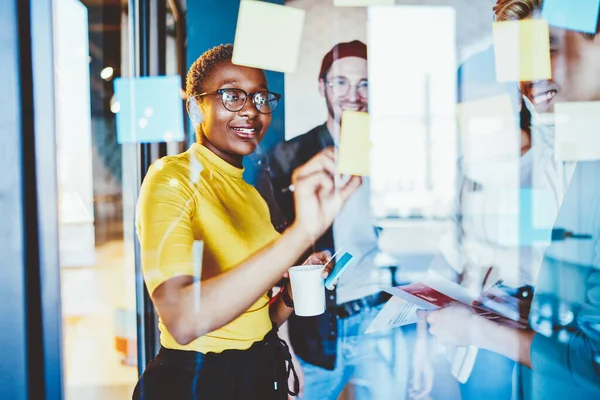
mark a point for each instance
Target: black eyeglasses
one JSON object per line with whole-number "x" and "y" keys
{"x": 235, "y": 99}
{"x": 341, "y": 86}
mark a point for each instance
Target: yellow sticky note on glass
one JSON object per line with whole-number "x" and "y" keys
{"x": 363, "y": 3}
{"x": 355, "y": 144}
{"x": 522, "y": 50}
{"x": 268, "y": 36}
{"x": 577, "y": 137}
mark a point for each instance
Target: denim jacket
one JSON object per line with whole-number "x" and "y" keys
{"x": 314, "y": 339}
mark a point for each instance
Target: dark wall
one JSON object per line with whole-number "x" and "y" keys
{"x": 210, "y": 23}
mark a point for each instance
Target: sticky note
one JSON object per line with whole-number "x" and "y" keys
{"x": 268, "y": 36}
{"x": 522, "y": 50}
{"x": 149, "y": 109}
{"x": 363, "y": 3}
{"x": 577, "y": 131}
{"x": 538, "y": 210}
{"x": 579, "y": 15}
{"x": 355, "y": 144}
{"x": 489, "y": 130}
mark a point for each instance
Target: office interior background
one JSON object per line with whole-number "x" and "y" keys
{"x": 77, "y": 322}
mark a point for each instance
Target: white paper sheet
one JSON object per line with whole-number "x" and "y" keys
{"x": 396, "y": 312}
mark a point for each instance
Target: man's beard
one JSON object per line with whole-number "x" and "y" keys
{"x": 331, "y": 109}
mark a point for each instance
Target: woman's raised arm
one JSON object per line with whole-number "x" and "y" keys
{"x": 190, "y": 308}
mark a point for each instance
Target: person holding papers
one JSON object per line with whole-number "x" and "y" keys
{"x": 484, "y": 256}
{"x": 574, "y": 61}
{"x": 575, "y": 58}
{"x": 560, "y": 355}
{"x": 209, "y": 252}
{"x": 332, "y": 349}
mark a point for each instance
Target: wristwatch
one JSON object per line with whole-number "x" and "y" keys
{"x": 285, "y": 296}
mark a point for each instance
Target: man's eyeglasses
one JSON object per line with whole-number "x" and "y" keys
{"x": 341, "y": 86}
{"x": 235, "y": 99}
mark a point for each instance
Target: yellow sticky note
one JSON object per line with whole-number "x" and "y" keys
{"x": 355, "y": 144}
{"x": 577, "y": 137}
{"x": 268, "y": 36}
{"x": 489, "y": 130}
{"x": 522, "y": 50}
{"x": 363, "y": 3}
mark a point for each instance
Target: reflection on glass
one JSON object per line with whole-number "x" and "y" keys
{"x": 98, "y": 294}
{"x": 412, "y": 94}
{"x": 508, "y": 198}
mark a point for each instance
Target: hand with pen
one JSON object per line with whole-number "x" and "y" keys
{"x": 317, "y": 197}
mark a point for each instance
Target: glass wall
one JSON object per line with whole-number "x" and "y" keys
{"x": 472, "y": 123}
{"x": 98, "y": 178}
{"x": 99, "y": 335}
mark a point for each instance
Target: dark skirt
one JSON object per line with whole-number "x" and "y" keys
{"x": 260, "y": 372}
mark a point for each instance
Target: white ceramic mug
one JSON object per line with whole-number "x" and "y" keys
{"x": 308, "y": 288}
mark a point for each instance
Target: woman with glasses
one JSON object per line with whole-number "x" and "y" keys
{"x": 209, "y": 252}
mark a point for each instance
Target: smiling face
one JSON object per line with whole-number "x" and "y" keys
{"x": 354, "y": 71}
{"x": 575, "y": 71}
{"x": 232, "y": 135}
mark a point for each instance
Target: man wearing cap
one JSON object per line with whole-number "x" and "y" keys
{"x": 331, "y": 349}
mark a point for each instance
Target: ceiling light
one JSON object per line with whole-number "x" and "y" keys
{"x": 115, "y": 107}
{"x": 107, "y": 73}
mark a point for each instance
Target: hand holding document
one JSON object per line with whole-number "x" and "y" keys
{"x": 435, "y": 292}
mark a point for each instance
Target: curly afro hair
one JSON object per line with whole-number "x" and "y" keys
{"x": 204, "y": 66}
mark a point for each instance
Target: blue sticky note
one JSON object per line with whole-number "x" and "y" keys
{"x": 537, "y": 214}
{"x": 340, "y": 266}
{"x": 578, "y": 15}
{"x": 148, "y": 109}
